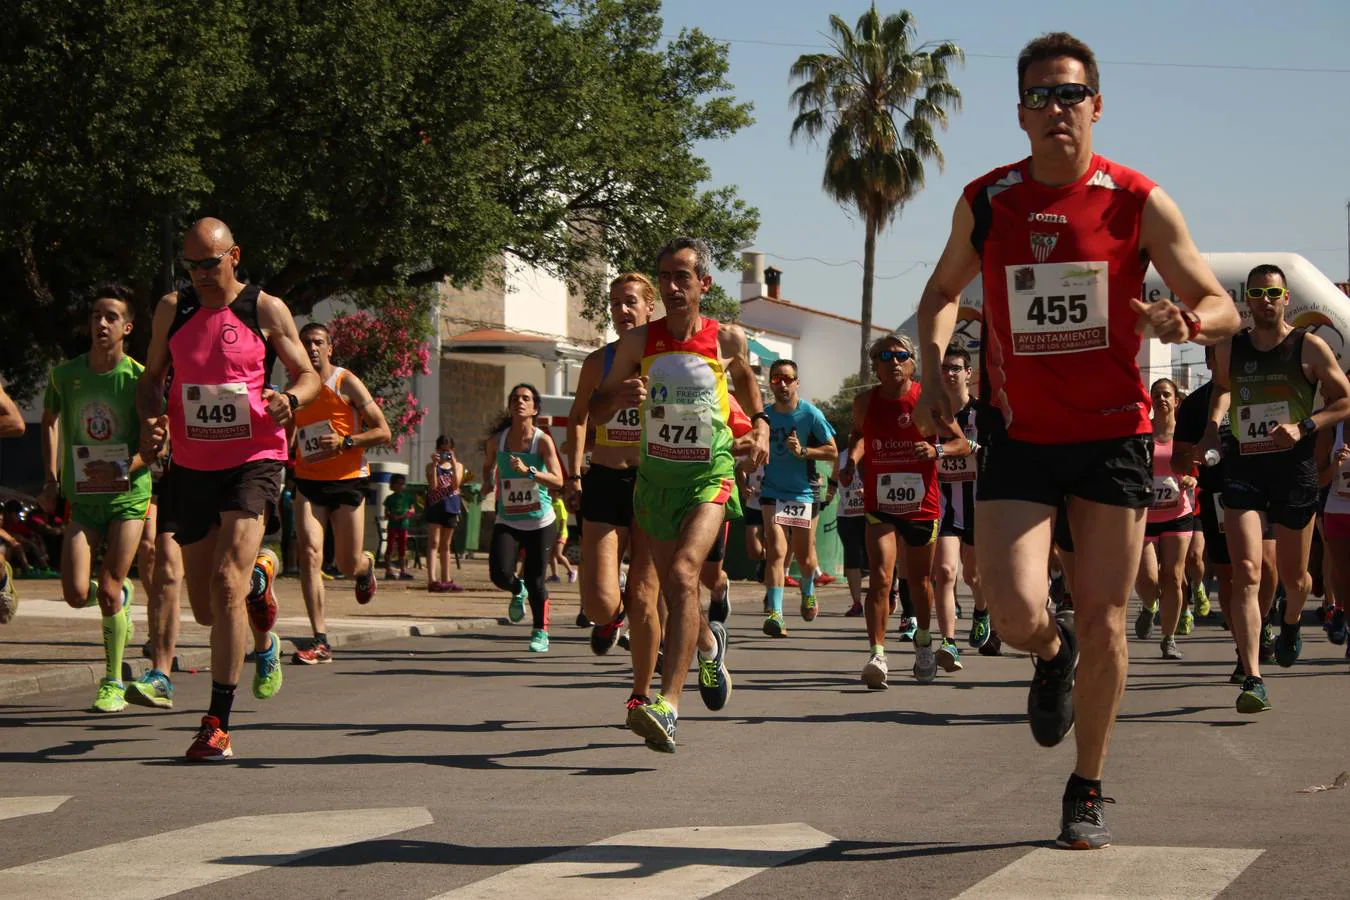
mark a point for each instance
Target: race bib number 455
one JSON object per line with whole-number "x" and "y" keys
{"x": 1058, "y": 307}
{"x": 217, "y": 412}
{"x": 679, "y": 433}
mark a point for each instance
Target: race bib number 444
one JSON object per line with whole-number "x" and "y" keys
{"x": 1058, "y": 307}
{"x": 520, "y": 496}
{"x": 679, "y": 433}
{"x": 217, "y": 412}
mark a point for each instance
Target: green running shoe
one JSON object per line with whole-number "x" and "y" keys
{"x": 538, "y": 641}
{"x": 1253, "y": 698}
{"x": 774, "y": 626}
{"x": 979, "y": 630}
{"x": 809, "y": 607}
{"x": 1200, "y": 600}
{"x": 111, "y": 697}
{"x": 654, "y": 722}
{"x": 1187, "y": 623}
{"x": 1267, "y": 643}
{"x": 714, "y": 681}
{"x": 267, "y": 669}
{"x": 949, "y": 656}
{"x": 515, "y": 611}
{"x": 1288, "y": 645}
{"x": 152, "y": 689}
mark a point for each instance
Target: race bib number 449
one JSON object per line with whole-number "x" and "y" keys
{"x": 1058, "y": 307}
{"x": 679, "y": 432}
{"x": 217, "y": 412}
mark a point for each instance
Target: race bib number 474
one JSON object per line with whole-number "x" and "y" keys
{"x": 679, "y": 432}
{"x": 1058, "y": 307}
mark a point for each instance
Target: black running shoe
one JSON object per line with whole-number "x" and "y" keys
{"x": 582, "y": 621}
{"x": 993, "y": 646}
{"x": 604, "y": 637}
{"x": 714, "y": 681}
{"x": 720, "y": 607}
{"x": 1050, "y": 700}
{"x": 1082, "y": 825}
{"x": 654, "y": 722}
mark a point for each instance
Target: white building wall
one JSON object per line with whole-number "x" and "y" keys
{"x": 536, "y": 302}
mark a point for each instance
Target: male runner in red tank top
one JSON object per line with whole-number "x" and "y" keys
{"x": 1063, "y": 239}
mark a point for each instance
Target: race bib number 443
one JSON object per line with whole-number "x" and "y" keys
{"x": 217, "y": 412}
{"x": 1058, "y": 307}
{"x": 679, "y": 433}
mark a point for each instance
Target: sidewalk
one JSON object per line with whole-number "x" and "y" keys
{"x": 51, "y": 647}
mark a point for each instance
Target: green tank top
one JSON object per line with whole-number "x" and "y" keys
{"x": 1269, "y": 389}
{"x": 522, "y": 502}
{"x": 686, "y": 437}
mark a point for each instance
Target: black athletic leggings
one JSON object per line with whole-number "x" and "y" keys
{"x": 506, "y": 545}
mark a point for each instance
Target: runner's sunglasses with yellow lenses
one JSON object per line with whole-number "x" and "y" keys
{"x": 1270, "y": 293}
{"x": 1064, "y": 94}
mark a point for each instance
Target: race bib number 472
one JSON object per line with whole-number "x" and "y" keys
{"x": 1058, "y": 307}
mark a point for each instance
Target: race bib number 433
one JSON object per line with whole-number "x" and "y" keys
{"x": 679, "y": 432}
{"x": 217, "y": 412}
{"x": 1058, "y": 307}
{"x": 956, "y": 468}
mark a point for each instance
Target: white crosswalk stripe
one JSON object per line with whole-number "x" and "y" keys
{"x": 663, "y": 864}
{"x": 1147, "y": 873}
{"x": 165, "y": 864}
{"x": 14, "y": 807}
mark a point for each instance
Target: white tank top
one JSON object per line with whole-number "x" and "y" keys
{"x": 1338, "y": 500}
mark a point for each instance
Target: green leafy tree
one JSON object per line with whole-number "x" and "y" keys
{"x": 720, "y": 305}
{"x": 877, "y": 74}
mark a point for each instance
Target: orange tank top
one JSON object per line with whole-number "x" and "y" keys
{"x": 328, "y": 413}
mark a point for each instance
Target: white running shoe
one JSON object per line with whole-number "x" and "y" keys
{"x": 875, "y": 672}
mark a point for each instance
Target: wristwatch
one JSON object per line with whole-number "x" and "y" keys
{"x": 290, "y": 398}
{"x": 1307, "y": 427}
{"x": 1192, "y": 323}
{"x": 348, "y": 443}
{"x": 533, "y": 472}
{"x": 760, "y": 415}
{"x": 941, "y": 451}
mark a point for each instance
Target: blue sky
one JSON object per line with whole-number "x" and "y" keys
{"x": 1257, "y": 159}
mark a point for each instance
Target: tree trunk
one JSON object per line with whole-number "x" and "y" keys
{"x": 869, "y": 274}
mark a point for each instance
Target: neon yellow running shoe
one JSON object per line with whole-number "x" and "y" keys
{"x": 111, "y": 697}
{"x": 1200, "y": 596}
{"x": 267, "y": 669}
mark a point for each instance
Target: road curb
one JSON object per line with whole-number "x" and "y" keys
{"x": 77, "y": 675}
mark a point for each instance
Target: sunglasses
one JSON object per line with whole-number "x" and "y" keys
{"x": 894, "y": 356}
{"x": 952, "y": 370}
{"x": 208, "y": 264}
{"x": 781, "y": 379}
{"x": 1064, "y": 94}
{"x": 1270, "y": 293}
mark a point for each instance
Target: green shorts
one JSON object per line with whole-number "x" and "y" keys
{"x": 661, "y": 511}
{"x": 99, "y": 515}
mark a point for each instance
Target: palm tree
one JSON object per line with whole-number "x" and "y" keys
{"x": 878, "y": 73}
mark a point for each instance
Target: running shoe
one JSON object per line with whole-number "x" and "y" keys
{"x": 1267, "y": 643}
{"x": 1050, "y": 699}
{"x": 572, "y": 576}
{"x": 1253, "y": 698}
{"x": 553, "y": 579}
{"x": 1187, "y": 623}
{"x": 538, "y": 641}
{"x": 993, "y": 646}
{"x": 267, "y": 669}
{"x": 404, "y": 576}
{"x": 824, "y": 580}
{"x": 714, "y": 681}
{"x": 875, "y": 672}
{"x": 9, "y": 596}
{"x": 111, "y": 696}
{"x": 720, "y": 607}
{"x": 452, "y": 588}
{"x": 979, "y": 630}
{"x": 907, "y": 628}
{"x": 261, "y": 602}
{"x": 1239, "y": 674}
{"x": 1336, "y": 631}
{"x": 960, "y": 614}
{"x": 1064, "y": 611}
{"x": 152, "y": 689}
{"x": 436, "y": 587}
{"x": 854, "y": 611}
{"x": 315, "y": 654}
{"x": 653, "y": 721}
{"x": 1200, "y": 600}
{"x": 604, "y": 637}
{"x": 582, "y": 621}
{"x": 211, "y": 744}
{"x": 809, "y": 607}
{"x": 1143, "y": 623}
{"x": 773, "y": 625}
{"x": 925, "y": 660}
{"x": 623, "y": 641}
{"x": 792, "y": 582}
{"x": 1082, "y": 825}
{"x": 949, "y": 656}
{"x": 515, "y": 610}
{"x": 366, "y": 584}
{"x": 1288, "y": 646}
{"x": 1169, "y": 649}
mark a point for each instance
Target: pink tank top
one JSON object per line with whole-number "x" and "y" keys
{"x": 217, "y": 419}
{"x": 1169, "y": 500}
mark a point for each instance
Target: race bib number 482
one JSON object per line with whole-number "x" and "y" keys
{"x": 217, "y": 412}
{"x": 1058, "y": 307}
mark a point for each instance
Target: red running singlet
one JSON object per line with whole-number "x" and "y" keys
{"x": 897, "y": 482}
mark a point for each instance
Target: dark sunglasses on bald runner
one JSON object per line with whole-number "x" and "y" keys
{"x": 209, "y": 263}
{"x": 894, "y": 356}
{"x": 1064, "y": 94}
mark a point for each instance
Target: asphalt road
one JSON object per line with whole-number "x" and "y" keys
{"x": 462, "y": 764}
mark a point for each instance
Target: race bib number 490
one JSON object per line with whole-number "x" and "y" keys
{"x": 791, "y": 514}
{"x": 679, "y": 433}
{"x": 217, "y": 412}
{"x": 900, "y": 493}
{"x": 1058, "y": 307}
{"x": 1257, "y": 424}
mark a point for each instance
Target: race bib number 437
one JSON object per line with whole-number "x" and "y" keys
{"x": 1058, "y": 307}
{"x": 217, "y": 412}
{"x": 791, "y": 514}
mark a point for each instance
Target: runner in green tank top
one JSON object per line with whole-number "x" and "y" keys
{"x": 676, "y": 371}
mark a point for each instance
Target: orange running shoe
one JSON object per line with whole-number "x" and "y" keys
{"x": 261, "y": 603}
{"x": 211, "y": 744}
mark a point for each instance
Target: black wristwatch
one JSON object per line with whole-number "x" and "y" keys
{"x": 290, "y": 398}
{"x": 760, "y": 415}
{"x": 348, "y": 443}
{"x": 1307, "y": 427}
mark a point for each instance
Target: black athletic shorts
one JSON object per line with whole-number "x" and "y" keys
{"x": 719, "y": 547}
{"x": 441, "y": 517}
{"x": 915, "y": 533}
{"x": 752, "y": 516}
{"x": 1285, "y": 490}
{"x": 332, "y": 494}
{"x": 607, "y": 495}
{"x": 949, "y": 528}
{"x": 1115, "y": 472}
{"x": 200, "y": 496}
{"x": 1183, "y": 525}
{"x": 853, "y": 535}
{"x": 1063, "y": 536}
{"x": 165, "y": 498}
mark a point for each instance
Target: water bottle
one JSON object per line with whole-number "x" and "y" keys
{"x": 1211, "y": 457}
